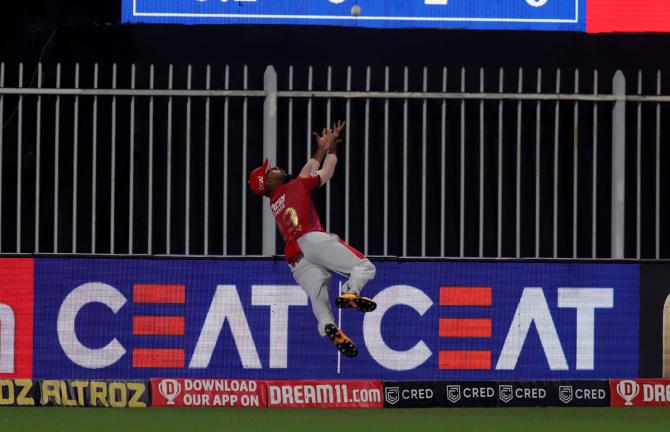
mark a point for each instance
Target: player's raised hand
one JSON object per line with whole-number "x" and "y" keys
{"x": 337, "y": 127}
{"x": 329, "y": 138}
{"x": 322, "y": 141}
{"x": 333, "y": 135}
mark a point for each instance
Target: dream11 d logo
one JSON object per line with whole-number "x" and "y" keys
{"x": 169, "y": 389}
{"x": 628, "y": 390}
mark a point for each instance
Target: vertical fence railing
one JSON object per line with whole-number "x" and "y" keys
{"x": 514, "y": 181}
{"x": 618, "y": 166}
{"x": 19, "y": 162}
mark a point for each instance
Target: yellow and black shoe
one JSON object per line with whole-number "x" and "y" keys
{"x": 345, "y": 345}
{"x": 350, "y": 300}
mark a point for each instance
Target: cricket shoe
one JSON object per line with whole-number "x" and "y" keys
{"x": 345, "y": 345}
{"x": 350, "y": 300}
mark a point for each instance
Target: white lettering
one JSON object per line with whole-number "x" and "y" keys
{"x": 530, "y": 393}
{"x": 310, "y": 396}
{"x": 91, "y": 358}
{"x": 7, "y": 330}
{"x": 287, "y": 394}
{"x": 275, "y": 394}
{"x": 324, "y": 393}
{"x": 278, "y": 205}
{"x": 478, "y": 392}
{"x": 382, "y": 353}
{"x": 593, "y": 394}
{"x": 297, "y": 394}
{"x": 586, "y": 301}
{"x": 279, "y": 298}
{"x": 423, "y": 393}
{"x": 226, "y": 304}
{"x": 532, "y": 308}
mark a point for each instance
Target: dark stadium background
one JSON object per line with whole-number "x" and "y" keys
{"x": 90, "y": 31}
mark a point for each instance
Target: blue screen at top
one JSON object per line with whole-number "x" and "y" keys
{"x": 569, "y": 15}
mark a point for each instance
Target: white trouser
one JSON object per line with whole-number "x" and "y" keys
{"x": 322, "y": 254}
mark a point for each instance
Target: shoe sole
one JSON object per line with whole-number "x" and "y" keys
{"x": 362, "y": 304}
{"x": 346, "y": 347}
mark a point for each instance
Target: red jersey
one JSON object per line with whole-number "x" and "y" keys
{"x": 294, "y": 210}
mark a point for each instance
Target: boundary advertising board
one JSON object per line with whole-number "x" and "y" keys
{"x": 135, "y": 319}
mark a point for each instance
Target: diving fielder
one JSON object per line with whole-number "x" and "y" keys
{"x": 311, "y": 253}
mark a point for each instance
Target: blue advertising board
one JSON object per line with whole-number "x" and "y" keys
{"x": 480, "y": 14}
{"x": 139, "y": 318}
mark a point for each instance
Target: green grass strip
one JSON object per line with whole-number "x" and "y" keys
{"x": 340, "y": 420}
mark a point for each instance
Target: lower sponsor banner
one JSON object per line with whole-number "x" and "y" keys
{"x": 410, "y": 394}
{"x": 90, "y": 393}
{"x": 414, "y": 394}
{"x": 467, "y": 394}
{"x": 524, "y": 393}
{"x": 325, "y": 394}
{"x": 208, "y": 392}
{"x": 18, "y": 392}
{"x": 639, "y": 392}
{"x": 579, "y": 393}
{"x": 423, "y": 394}
{"x": 553, "y": 393}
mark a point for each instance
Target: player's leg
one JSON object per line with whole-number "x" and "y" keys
{"x": 316, "y": 281}
{"x": 329, "y": 251}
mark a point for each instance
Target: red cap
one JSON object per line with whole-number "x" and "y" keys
{"x": 257, "y": 179}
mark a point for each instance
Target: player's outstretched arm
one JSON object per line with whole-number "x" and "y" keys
{"x": 328, "y": 169}
{"x": 318, "y": 156}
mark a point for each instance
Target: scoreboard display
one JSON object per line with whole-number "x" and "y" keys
{"x": 469, "y": 14}
{"x": 592, "y": 16}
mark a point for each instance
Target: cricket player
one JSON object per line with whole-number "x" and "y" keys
{"x": 311, "y": 253}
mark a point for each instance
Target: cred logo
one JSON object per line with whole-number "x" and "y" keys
{"x": 392, "y": 395}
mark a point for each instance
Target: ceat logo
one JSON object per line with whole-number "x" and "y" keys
{"x": 16, "y": 317}
{"x": 628, "y": 390}
{"x": 532, "y": 310}
{"x": 226, "y": 308}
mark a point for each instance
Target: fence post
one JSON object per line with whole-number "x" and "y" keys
{"x": 269, "y": 151}
{"x": 618, "y": 164}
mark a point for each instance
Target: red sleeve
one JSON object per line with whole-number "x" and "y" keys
{"x": 311, "y": 182}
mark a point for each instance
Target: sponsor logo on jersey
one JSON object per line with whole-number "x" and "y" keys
{"x": 278, "y": 205}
